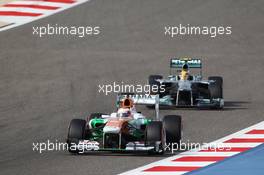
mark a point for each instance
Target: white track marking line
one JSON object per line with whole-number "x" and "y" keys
{"x": 54, "y": 4}
{"x": 251, "y": 136}
{"x": 240, "y": 145}
{"x": 211, "y": 153}
{"x": 176, "y": 163}
{"x": 162, "y": 173}
{"x": 13, "y": 19}
{"x": 25, "y": 9}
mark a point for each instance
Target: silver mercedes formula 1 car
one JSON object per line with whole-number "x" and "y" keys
{"x": 184, "y": 89}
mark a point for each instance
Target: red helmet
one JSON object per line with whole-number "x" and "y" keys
{"x": 127, "y": 103}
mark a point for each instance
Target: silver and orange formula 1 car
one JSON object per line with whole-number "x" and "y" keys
{"x": 183, "y": 88}
{"x": 124, "y": 130}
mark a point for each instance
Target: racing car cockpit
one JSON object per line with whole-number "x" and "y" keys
{"x": 125, "y": 109}
{"x": 124, "y": 112}
{"x": 184, "y": 74}
{"x": 180, "y": 69}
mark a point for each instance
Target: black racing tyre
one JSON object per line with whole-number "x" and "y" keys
{"x": 154, "y": 133}
{"x": 150, "y": 106}
{"x": 153, "y": 82}
{"x": 153, "y": 79}
{"x": 216, "y": 88}
{"x": 218, "y": 79}
{"x": 76, "y": 132}
{"x": 173, "y": 128}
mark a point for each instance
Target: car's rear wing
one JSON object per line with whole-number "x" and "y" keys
{"x": 140, "y": 99}
{"x": 191, "y": 62}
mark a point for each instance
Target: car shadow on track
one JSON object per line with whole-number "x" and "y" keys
{"x": 110, "y": 154}
{"x": 229, "y": 105}
{"x": 236, "y": 105}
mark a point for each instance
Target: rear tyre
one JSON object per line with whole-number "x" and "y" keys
{"x": 150, "y": 106}
{"x": 218, "y": 79}
{"x": 153, "y": 82}
{"x": 173, "y": 129}
{"x": 76, "y": 132}
{"x": 153, "y": 79}
{"x": 216, "y": 88}
{"x": 154, "y": 133}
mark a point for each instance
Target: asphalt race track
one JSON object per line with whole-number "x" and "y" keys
{"x": 45, "y": 82}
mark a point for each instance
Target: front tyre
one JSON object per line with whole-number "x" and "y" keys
{"x": 76, "y": 132}
{"x": 173, "y": 129}
{"x": 154, "y": 134}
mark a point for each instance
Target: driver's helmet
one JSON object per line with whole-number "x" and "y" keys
{"x": 126, "y": 103}
{"x": 124, "y": 112}
{"x": 184, "y": 72}
{"x": 185, "y": 67}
